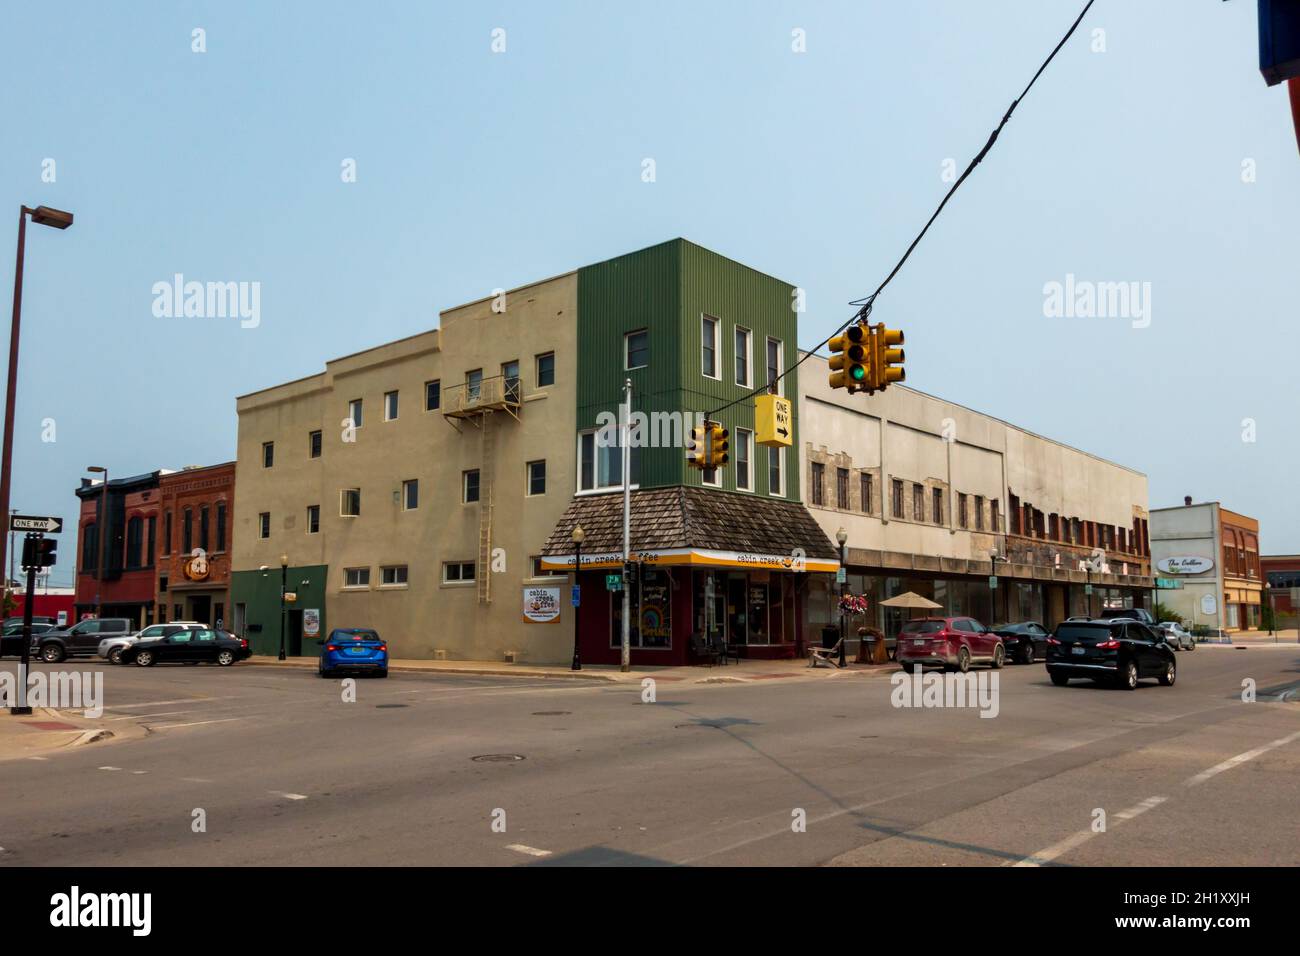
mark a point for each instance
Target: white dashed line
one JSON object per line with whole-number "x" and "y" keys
{"x": 527, "y": 850}
{"x": 110, "y": 768}
{"x": 1083, "y": 836}
{"x": 196, "y": 723}
{"x": 1231, "y": 762}
{"x": 38, "y": 758}
{"x": 179, "y": 700}
{"x": 170, "y": 713}
{"x": 287, "y": 796}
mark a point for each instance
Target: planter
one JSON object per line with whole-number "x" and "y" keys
{"x": 871, "y": 648}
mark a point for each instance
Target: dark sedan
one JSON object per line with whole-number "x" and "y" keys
{"x": 1025, "y": 641}
{"x": 1119, "y": 652}
{"x": 11, "y": 644}
{"x": 197, "y": 646}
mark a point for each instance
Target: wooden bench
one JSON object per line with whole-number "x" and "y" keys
{"x": 825, "y": 655}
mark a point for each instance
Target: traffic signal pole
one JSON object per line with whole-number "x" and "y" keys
{"x": 626, "y": 450}
{"x": 22, "y": 708}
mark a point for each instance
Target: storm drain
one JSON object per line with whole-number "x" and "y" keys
{"x": 552, "y": 713}
{"x": 497, "y": 758}
{"x": 387, "y": 706}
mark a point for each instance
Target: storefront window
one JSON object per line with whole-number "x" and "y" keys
{"x": 652, "y": 617}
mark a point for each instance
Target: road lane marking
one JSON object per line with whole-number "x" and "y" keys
{"x": 527, "y": 850}
{"x": 169, "y": 713}
{"x": 287, "y": 796}
{"x": 196, "y": 723}
{"x": 196, "y": 779}
{"x": 1241, "y": 758}
{"x": 1083, "y": 836}
{"x": 38, "y": 758}
{"x": 179, "y": 700}
{"x": 110, "y": 768}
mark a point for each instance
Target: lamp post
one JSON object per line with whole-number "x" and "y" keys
{"x": 101, "y": 546}
{"x": 45, "y": 216}
{"x": 842, "y": 537}
{"x": 578, "y": 537}
{"x": 284, "y": 611}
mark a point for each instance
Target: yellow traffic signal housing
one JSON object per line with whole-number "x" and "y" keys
{"x": 719, "y": 446}
{"x": 697, "y": 448}
{"x": 885, "y": 360}
{"x": 850, "y": 358}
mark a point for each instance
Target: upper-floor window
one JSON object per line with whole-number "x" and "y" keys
{"x": 896, "y": 496}
{"x": 394, "y": 575}
{"x": 134, "y": 542}
{"x": 536, "y": 478}
{"x": 473, "y": 385}
{"x": 390, "y": 406}
{"x": 90, "y": 547}
{"x": 600, "y": 462}
{"x": 636, "y": 349}
{"x": 268, "y": 454}
{"x": 995, "y": 517}
{"x": 313, "y": 444}
{"x": 709, "y": 347}
{"x": 356, "y": 577}
{"x": 545, "y": 369}
{"x": 817, "y": 479}
{"x": 963, "y": 520}
{"x": 918, "y": 502}
{"x": 350, "y": 503}
{"x": 743, "y": 339}
{"x": 776, "y": 471}
{"x": 354, "y": 412}
{"x": 936, "y": 505}
{"x": 167, "y": 533}
{"x": 865, "y": 490}
{"x": 187, "y": 532}
{"x": 513, "y": 384}
{"x": 774, "y": 365}
{"x": 432, "y": 395}
{"x": 469, "y": 486}
{"x": 842, "y": 488}
{"x": 744, "y": 452}
{"x": 203, "y": 527}
{"x": 221, "y": 526}
{"x": 152, "y": 541}
{"x": 979, "y": 512}
{"x": 313, "y": 519}
{"x": 264, "y": 524}
{"x": 410, "y": 494}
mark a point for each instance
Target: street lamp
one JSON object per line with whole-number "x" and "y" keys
{"x": 101, "y": 546}
{"x": 579, "y": 536}
{"x": 842, "y": 537}
{"x": 284, "y": 610}
{"x": 45, "y": 216}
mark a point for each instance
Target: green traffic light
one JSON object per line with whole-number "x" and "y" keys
{"x": 858, "y": 373}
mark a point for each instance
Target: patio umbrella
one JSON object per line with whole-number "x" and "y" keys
{"x": 910, "y": 599}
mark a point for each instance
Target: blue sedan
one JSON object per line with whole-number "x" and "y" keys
{"x": 354, "y": 649}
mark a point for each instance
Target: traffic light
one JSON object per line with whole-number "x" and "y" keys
{"x": 849, "y": 359}
{"x": 885, "y": 358}
{"x": 697, "y": 448}
{"x": 718, "y": 445}
{"x": 39, "y": 552}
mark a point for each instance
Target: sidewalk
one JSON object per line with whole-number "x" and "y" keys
{"x": 734, "y": 672}
{"x": 1251, "y": 638}
{"x": 47, "y": 730}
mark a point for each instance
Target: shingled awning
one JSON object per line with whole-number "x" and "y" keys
{"x": 692, "y": 526}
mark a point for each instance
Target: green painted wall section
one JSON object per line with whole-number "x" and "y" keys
{"x": 260, "y": 591}
{"x": 667, "y": 289}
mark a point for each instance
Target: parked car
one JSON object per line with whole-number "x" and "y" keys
{"x": 80, "y": 640}
{"x": 353, "y": 649}
{"x": 36, "y": 619}
{"x": 1024, "y": 642}
{"x": 1111, "y": 651}
{"x": 110, "y": 648}
{"x": 948, "y": 642}
{"x": 11, "y": 642}
{"x": 201, "y": 645}
{"x": 1127, "y": 613}
{"x": 1179, "y": 638}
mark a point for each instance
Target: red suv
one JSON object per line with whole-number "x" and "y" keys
{"x": 948, "y": 642}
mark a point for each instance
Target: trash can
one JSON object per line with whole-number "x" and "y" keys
{"x": 829, "y": 636}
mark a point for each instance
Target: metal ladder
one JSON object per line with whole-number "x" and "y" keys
{"x": 483, "y": 573}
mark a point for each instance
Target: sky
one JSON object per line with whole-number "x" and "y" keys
{"x": 1151, "y": 152}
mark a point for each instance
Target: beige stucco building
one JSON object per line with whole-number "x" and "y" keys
{"x": 461, "y": 460}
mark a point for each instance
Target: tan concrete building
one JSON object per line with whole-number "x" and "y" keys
{"x": 408, "y": 487}
{"x": 930, "y": 493}
{"x": 1213, "y": 553}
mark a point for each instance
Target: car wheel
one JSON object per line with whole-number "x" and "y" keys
{"x": 1128, "y": 678}
{"x": 999, "y": 656}
{"x": 1060, "y": 680}
{"x": 383, "y": 673}
{"x": 115, "y": 656}
{"x": 144, "y": 658}
{"x": 963, "y": 660}
{"x": 1170, "y": 674}
{"x": 52, "y": 653}
{"x": 225, "y": 658}
{"x": 1027, "y": 652}
{"x": 1192, "y": 645}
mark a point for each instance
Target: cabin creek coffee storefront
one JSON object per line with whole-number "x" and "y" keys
{"x": 709, "y": 564}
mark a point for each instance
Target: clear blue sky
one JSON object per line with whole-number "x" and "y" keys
{"x": 478, "y": 170}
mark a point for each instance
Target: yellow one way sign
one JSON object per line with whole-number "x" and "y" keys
{"x": 773, "y": 421}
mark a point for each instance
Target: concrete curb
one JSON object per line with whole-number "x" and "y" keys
{"x": 471, "y": 670}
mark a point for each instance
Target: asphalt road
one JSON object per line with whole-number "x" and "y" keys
{"x": 286, "y": 772}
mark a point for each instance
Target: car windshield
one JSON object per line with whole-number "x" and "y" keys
{"x": 1076, "y": 632}
{"x": 354, "y": 634}
{"x": 923, "y": 627}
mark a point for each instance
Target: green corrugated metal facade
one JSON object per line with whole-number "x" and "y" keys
{"x": 667, "y": 289}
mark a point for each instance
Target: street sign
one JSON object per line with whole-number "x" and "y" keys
{"x": 34, "y": 523}
{"x": 613, "y": 582}
{"x": 993, "y": 582}
{"x": 773, "y": 421}
{"x": 575, "y": 594}
{"x": 1087, "y": 589}
{"x": 841, "y": 575}
{"x": 1168, "y": 584}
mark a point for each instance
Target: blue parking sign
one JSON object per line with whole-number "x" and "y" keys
{"x": 575, "y": 594}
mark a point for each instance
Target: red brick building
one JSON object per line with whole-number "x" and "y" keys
{"x": 116, "y": 542}
{"x": 194, "y": 546}
{"x": 1281, "y": 574}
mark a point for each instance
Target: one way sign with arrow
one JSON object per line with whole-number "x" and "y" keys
{"x": 773, "y": 421}
{"x": 35, "y": 523}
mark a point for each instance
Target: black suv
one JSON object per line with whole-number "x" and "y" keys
{"x": 80, "y": 640}
{"x": 1114, "y": 651}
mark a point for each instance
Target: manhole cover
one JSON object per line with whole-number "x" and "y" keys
{"x": 497, "y": 758}
{"x": 552, "y": 713}
{"x": 383, "y": 706}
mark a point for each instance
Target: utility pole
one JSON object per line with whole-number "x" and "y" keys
{"x": 625, "y": 430}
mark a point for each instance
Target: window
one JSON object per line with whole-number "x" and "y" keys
{"x": 896, "y": 496}
{"x": 636, "y": 349}
{"x": 152, "y": 545}
{"x": 393, "y": 576}
{"x": 536, "y": 478}
{"x": 89, "y": 547}
{"x": 390, "y": 406}
{"x": 356, "y": 577}
{"x": 774, "y": 364}
{"x": 473, "y": 385}
{"x": 313, "y": 519}
{"x": 134, "y": 541}
{"x": 541, "y": 572}
{"x": 433, "y": 395}
{"x": 600, "y": 464}
{"x": 268, "y": 454}
{"x": 221, "y": 526}
{"x": 865, "y": 490}
{"x": 410, "y": 494}
{"x": 354, "y": 412}
{"x": 963, "y": 520}
{"x": 167, "y": 533}
{"x": 264, "y": 524}
{"x": 187, "y": 532}
{"x": 709, "y": 347}
{"x": 936, "y": 505}
{"x": 743, "y": 338}
{"x": 744, "y": 445}
{"x": 918, "y": 502}
{"x": 817, "y": 476}
{"x": 350, "y": 502}
{"x": 842, "y": 488}
{"x": 313, "y": 445}
{"x": 979, "y": 512}
{"x": 457, "y": 572}
{"x": 510, "y": 376}
{"x": 775, "y": 472}
{"x": 469, "y": 486}
{"x": 545, "y": 369}
{"x": 996, "y": 523}
{"x": 203, "y": 528}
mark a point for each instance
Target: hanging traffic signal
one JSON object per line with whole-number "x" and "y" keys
{"x": 849, "y": 359}
{"x": 885, "y": 361}
{"x": 718, "y": 446}
{"x": 697, "y": 448}
{"x": 39, "y": 552}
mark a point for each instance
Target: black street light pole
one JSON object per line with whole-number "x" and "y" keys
{"x": 842, "y": 537}
{"x": 578, "y": 537}
{"x": 284, "y": 611}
